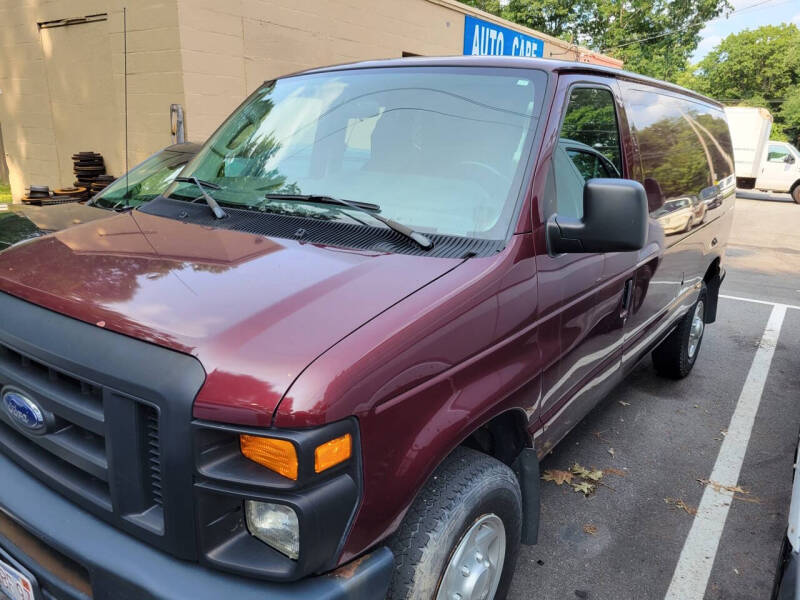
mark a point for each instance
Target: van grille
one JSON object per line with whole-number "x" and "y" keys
{"x": 153, "y": 456}
{"x": 75, "y": 450}
{"x": 120, "y": 415}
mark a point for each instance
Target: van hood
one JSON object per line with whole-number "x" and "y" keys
{"x": 254, "y": 310}
{"x": 22, "y": 222}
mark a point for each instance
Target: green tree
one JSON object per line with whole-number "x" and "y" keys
{"x": 759, "y": 67}
{"x": 789, "y": 115}
{"x": 490, "y": 6}
{"x": 763, "y": 62}
{"x": 653, "y": 37}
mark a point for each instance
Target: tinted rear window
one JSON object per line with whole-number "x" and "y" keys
{"x": 685, "y": 146}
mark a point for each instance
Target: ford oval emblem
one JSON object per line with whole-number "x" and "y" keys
{"x": 23, "y": 411}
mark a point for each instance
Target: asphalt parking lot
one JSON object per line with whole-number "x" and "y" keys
{"x": 652, "y": 529}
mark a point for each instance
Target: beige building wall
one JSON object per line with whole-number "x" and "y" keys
{"x": 230, "y": 48}
{"x": 62, "y": 88}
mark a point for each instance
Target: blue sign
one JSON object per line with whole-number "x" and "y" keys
{"x": 482, "y": 38}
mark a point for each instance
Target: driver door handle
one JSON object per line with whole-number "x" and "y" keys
{"x": 627, "y": 297}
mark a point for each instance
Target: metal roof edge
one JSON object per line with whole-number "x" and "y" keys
{"x": 576, "y": 67}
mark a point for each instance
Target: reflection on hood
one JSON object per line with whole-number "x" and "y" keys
{"x": 20, "y": 222}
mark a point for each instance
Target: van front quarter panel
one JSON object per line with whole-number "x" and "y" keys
{"x": 426, "y": 374}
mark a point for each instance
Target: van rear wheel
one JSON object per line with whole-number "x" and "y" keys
{"x": 461, "y": 536}
{"x": 676, "y": 355}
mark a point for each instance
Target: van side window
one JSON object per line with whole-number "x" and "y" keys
{"x": 777, "y": 153}
{"x": 588, "y": 147}
{"x": 591, "y": 119}
{"x": 685, "y": 151}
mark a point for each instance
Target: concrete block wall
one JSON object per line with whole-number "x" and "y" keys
{"x": 230, "y": 48}
{"x": 25, "y": 114}
{"x": 62, "y": 88}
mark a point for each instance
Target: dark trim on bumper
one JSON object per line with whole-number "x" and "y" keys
{"x": 325, "y": 503}
{"x": 122, "y": 567}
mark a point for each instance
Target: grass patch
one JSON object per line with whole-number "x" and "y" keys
{"x": 5, "y": 193}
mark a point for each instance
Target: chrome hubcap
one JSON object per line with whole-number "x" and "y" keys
{"x": 696, "y": 331}
{"x": 474, "y": 570}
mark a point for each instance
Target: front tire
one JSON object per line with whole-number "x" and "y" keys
{"x": 461, "y": 534}
{"x": 676, "y": 355}
{"x": 796, "y": 193}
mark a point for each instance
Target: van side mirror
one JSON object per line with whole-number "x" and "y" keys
{"x": 789, "y": 159}
{"x": 614, "y": 220}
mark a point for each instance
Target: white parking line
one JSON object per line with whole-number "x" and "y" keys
{"x": 754, "y": 301}
{"x": 690, "y": 579}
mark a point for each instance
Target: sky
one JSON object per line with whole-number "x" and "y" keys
{"x": 749, "y": 15}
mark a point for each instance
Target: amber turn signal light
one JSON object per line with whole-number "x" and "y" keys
{"x": 277, "y": 455}
{"x": 332, "y": 453}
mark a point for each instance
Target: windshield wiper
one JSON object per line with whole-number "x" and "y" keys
{"x": 202, "y": 185}
{"x": 366, "y": 207}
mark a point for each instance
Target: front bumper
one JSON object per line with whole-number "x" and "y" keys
{"x": 69, "y": 550}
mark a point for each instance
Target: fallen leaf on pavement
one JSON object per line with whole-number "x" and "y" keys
{"x": 738, "y": 492}
{"x": 594, "y": 475}
{"x": 718, "y": 486}
{"x": 680, "y": 504}
{"x": 584, "y": 487}
{"x": 579, "y": 470}
{"x": 590, "y": 529}
{"x": 557, "y": 477}
{"x": 611, "y": 451}
{"x": 580, "y": 478}
{"x": 624, "y": 403}
{"x": 752, "y": 499}
{"x": 614, "y": 471}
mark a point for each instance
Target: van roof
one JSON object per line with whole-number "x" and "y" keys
{"x": 544, "y": 64}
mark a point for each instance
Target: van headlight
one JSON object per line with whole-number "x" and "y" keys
{"x": 274, "y": 524}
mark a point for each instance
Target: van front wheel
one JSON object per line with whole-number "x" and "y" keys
{"x": 461, "y": 536}
{"x": 676, "y": 355}
{"x": 796, "y": 193}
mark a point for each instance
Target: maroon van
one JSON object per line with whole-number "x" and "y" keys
{"x": 325, "y": 363}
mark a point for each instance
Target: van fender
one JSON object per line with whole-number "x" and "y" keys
{"x": 526, "y": 467}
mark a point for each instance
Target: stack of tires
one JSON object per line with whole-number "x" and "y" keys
{"x": 100, "y": 183}
{"x": 41, "y": 195}
{"x": 89, "y": 168}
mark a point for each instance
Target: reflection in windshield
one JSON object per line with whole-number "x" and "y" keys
{"x": 142, "y": 183}
{"x": 439, "y": 150}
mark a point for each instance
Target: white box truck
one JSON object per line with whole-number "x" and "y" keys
{"x": 761, "y": 163}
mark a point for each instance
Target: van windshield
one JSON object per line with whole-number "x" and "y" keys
{"x": 143, "y": 182}
{"x": 440, "y": 150}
